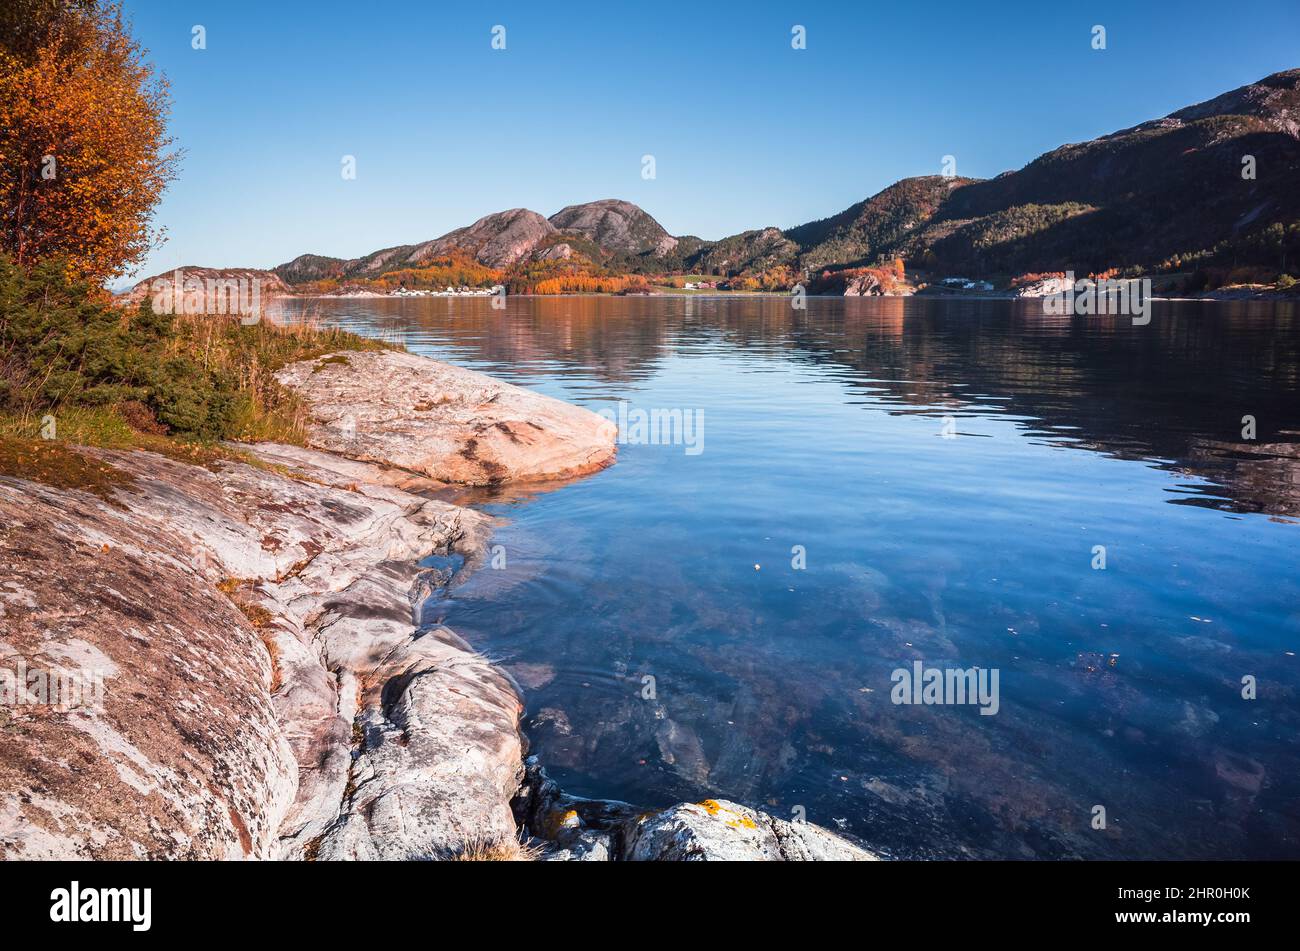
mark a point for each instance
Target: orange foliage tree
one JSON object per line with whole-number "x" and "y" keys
{"x": 457, "y": 269}
{"x": 579, "y": 284}
{"x": 84, "y": 151}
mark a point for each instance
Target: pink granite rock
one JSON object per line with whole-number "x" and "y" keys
{"x": 445, "y": 422}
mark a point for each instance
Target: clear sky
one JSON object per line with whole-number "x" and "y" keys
{"x": 745, "y": 130}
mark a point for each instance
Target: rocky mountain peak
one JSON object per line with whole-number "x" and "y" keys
{"x": 1275, "y": 100}
{"x": 497, "y": 240}
{"x": 615, "y": 225}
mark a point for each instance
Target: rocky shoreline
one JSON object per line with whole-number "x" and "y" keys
{"x": 268, "y": 691}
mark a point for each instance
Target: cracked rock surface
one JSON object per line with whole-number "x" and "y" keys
{"x": 267, "y": 692}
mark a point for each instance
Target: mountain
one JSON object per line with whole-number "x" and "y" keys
{"x": 596, "y": 232}
{"x": 749, "y": 251}
{"x": 1164, "y": 193}
{"x": 310, "y": 267}
{"x": 874, "y": 227}
{"x": 615, "y": 226}
{"x": 1213, "y": 185}
{"x": 1170, "y": 188}
{"x": 497, "y": 241}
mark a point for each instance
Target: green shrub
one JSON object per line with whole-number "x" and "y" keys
{"x": 64, "y": 345}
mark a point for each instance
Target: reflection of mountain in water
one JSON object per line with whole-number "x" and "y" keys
{"x": 1172, "y": 392}
{"x": 612, "y": 339}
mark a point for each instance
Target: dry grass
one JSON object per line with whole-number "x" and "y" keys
{"x": 273, "y": 649}
{"x": 246, "y": 356}
{"x": 503, "y": 850}
{"x": 251, "y": 355}
{"x": 55, "y": 464}
{"x": 108, "y": 428}
{"x": 257, "y": 615}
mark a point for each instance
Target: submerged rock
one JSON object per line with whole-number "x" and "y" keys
{"x": 722, "y": 831}
{"x": 576, "y": 829}
{"x": 445, "y": 422}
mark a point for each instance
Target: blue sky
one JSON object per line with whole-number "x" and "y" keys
{"x": 745, "y": 130}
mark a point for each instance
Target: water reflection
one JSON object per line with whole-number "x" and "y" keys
{"x": 1172, "y": 393}
{"x": 1119, "y": 687}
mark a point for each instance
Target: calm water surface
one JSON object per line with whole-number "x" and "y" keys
{"x": 1119, "y": 687}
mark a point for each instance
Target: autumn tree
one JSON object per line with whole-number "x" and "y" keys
{"x": 84, "y": 151}
{"x": 25, "y": 24}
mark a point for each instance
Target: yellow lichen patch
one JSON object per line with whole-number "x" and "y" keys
{"x": 715, "y": 809}
{"x": 556, "y": 820}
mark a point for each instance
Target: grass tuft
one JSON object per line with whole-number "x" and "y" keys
{"x": 499, "y": 850}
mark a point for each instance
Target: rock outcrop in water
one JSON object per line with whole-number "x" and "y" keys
{"x": 444, "y": 422}
{"x": 268, "y": 691}
{"x": 587, "y": 830}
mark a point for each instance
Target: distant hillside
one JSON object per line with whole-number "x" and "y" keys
{"x": 496, "y": 241}
{"x": 1168, "y": 194}
{"x": 1168, "y": 187}
{"x": 1165, "y": 193}
{"x": 748, "y": 252}
{"x": 876, "y": 227}
{"x": 594, "y": 232}
{"x": 228, "y": 285}
{"x": 615, "y": 226}
{"x": 311, "y": 267}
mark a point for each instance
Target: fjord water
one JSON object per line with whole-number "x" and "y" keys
{"x": 1119, "y": 688}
